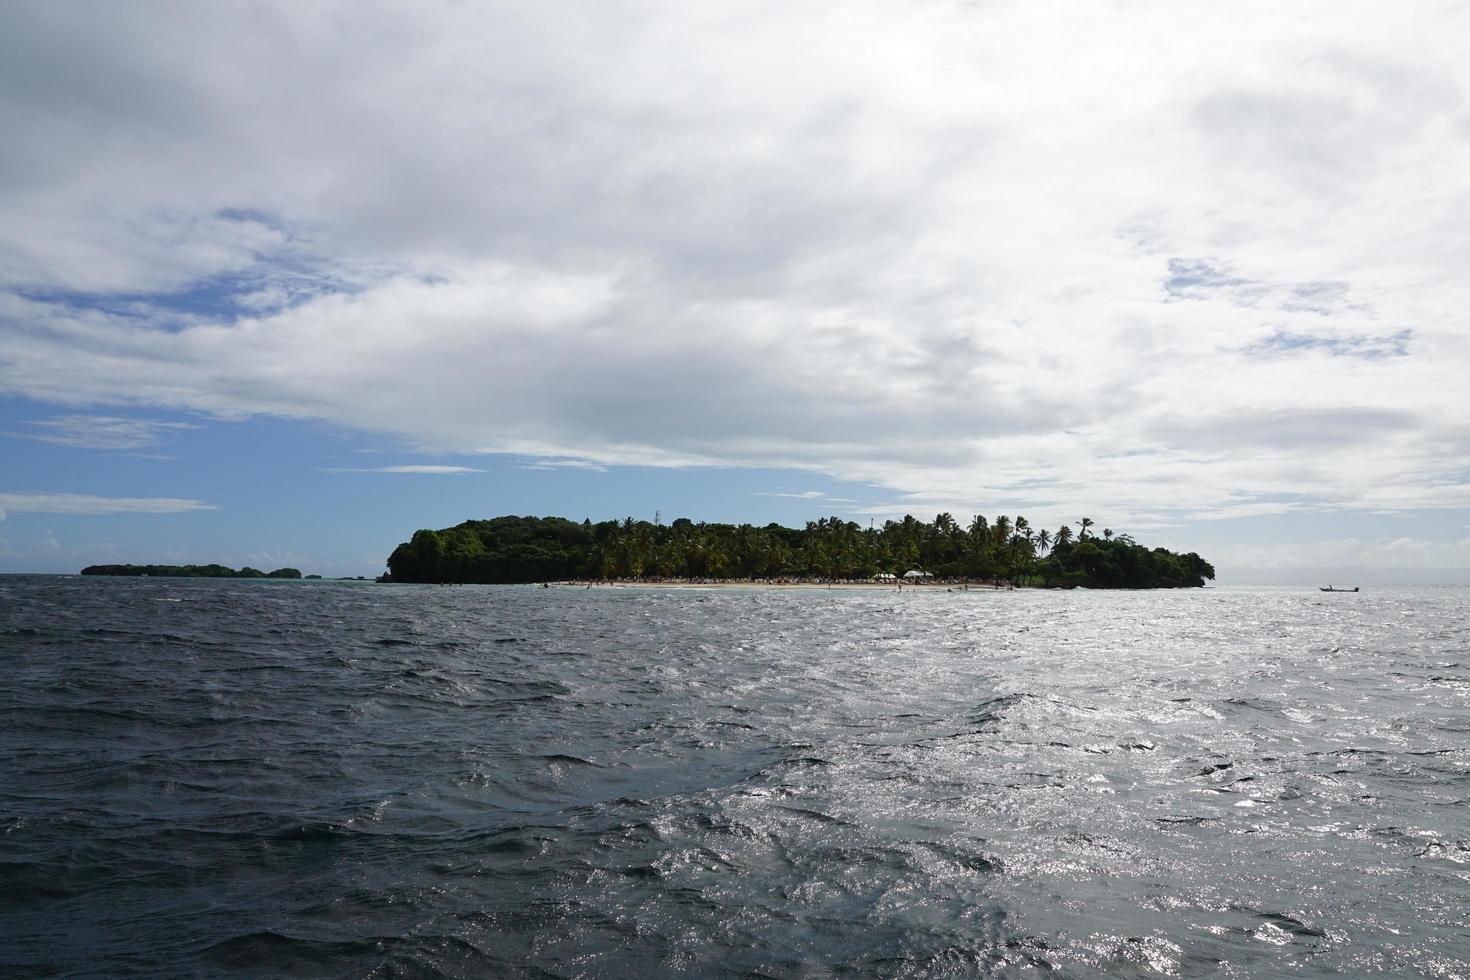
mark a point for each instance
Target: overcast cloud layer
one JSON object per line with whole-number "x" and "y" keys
{"x": 1155, "y": 262}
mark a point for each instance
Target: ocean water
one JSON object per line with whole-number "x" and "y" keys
{"x": 202, "y": 778}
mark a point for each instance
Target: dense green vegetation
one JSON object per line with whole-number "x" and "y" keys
{"x": 531, "y": 549}
{"x": 189, "y": 571}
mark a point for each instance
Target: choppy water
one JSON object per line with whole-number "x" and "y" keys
{"x": 216, "y": 778}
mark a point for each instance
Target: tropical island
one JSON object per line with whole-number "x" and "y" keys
{"x": 519, "y": 550}
{"x": 189, "y": 571}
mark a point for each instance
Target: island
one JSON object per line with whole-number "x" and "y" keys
{"x": 189, "y": 571}
{"x": 1002, "y": 552}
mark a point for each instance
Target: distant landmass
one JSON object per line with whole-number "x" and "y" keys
{"x": 189, "y": 571}
{"x": 510, "y": 550}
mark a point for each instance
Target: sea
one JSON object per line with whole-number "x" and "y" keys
{"x": 343, "y": 779}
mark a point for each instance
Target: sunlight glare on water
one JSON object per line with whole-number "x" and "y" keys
{"x": 331, "y": 779}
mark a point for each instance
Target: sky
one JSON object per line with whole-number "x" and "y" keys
{"x": 281, "y": 283}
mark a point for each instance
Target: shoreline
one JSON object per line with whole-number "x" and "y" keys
{"x": 783, "y": 585}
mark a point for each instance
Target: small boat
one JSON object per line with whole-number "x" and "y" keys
{"x": 1328, "y": 588}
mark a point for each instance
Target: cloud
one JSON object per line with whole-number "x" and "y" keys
{"x": 80, "y": 503}
{"x": 410, "y": 468}
{"x": 813, "y": 495}
{"x": 551, "y": 463}
{"x": 1145, "y": 262}
{"x": 1290, "y": 430}
{"x": 1395, "y": 344}
{"x": 1377, "y": 553}
{"x": 101, "y": 432}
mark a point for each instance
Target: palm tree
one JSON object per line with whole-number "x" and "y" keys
{"x": 1001, "y": 530}
{"x": 1043, "y": 540}
{"x": 747, "y": 550}
{"x": 1063, "y": 535}
{"x": 947, "y": 534}
{"x": 1086, "y": 523}
{"x": 1107, "y": 534}
{"x": 1024, "y": 545}
{"x": 977, "y": 546}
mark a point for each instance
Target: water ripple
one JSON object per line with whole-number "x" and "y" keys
{"x": 338, "y": 779}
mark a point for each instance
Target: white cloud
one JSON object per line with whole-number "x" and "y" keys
{"x": 552, "y": 463}
{"x": 812, "y": 495}
{"x": 1377, "y": 553}
{"x": 81, "y": 503}
{"x": 100, "y": 431}
{"x": 1153, "y": 262}
{"x": 410, "y": 468}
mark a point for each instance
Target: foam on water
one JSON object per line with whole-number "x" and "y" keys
{"x": 332, "y": 779}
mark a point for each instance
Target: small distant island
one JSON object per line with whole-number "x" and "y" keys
{"x": 520, "y": 550}
{"x": 189, "y": 571}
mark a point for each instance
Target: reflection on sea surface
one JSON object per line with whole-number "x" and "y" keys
{"x": 332, "y": 779}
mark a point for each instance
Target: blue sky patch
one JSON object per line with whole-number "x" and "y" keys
{"x": 1367, "y": 346}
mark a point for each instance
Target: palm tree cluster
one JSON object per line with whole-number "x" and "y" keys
{"x": 530, "y": 549}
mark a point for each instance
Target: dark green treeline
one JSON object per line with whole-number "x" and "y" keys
{"x": 542, "y": 549}
{"x": 189, "y": 571}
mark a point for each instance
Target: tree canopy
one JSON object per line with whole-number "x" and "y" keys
{"x": 189, "y": 571}
{"x": 514, "y": 549}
